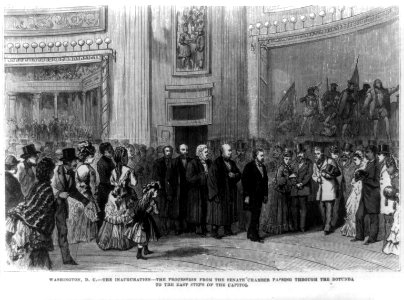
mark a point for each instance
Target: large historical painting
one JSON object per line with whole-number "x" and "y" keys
{"x": 191, "y": 44}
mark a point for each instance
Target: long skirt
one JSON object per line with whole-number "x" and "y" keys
{"x": 26, "y": 247}
{"x": 278, "y": 213}
{"x": 392, "y": 245}
{"x": 351, "y": 206}
{"x": 81, "y": 224}
{"x": 144, "y": 231}
{"x": 111, "y": 237}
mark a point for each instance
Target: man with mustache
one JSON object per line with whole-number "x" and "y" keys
{"x": 303, "y": 170}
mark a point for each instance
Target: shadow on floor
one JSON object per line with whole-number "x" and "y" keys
{"x": 184, "y": 252}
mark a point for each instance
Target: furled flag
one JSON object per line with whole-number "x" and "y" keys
{"x": 286, "y": 108}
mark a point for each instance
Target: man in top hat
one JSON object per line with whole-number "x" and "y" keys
{"x": 222, "y": 186}
{"x": 378, "y": 100}
{"x": 301, "y": 189}
{"x": 12, "y": 186}
{"x": 312, "y": 106}
{"x": 325, "y": 173}
{"x": 26, "y": 169}
{"x": 64, "y": 186}
{"x": 369, "y": 203}
{"x": 346, "y": 107}
{"x": 386, "y": 207}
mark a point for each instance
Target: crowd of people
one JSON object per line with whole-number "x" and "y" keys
{"x": 53, "y": 130}
{"x": 128, "y": 196}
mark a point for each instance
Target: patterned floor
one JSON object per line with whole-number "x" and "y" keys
{"x": 290, "y": 252}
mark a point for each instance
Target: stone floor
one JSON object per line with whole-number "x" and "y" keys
{"x": 290, "y": 252}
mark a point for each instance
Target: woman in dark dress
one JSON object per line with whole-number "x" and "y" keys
{"x": 30, "y": 225}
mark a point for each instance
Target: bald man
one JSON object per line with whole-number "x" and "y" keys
{"x": 179, "y": 208}
{"x": 222, "y": 185}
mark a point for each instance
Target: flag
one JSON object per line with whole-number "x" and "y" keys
{"x": 286, "y": 105}
{"x": 355, "y": 75}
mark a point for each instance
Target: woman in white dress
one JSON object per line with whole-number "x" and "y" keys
{"x": 82, "y": 222}
{"x": 352, "y": 203}
{"x": 119, "y": 210}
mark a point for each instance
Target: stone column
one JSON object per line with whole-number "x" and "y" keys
{"x": 36, "y": 100}
{"x": 12, "y": 105}
{"x": 83, "y": 99}
{"x": 55, "y": 104}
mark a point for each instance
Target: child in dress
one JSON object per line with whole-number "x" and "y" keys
{"x": 392, "y": 243}
{"x": 145, "y": 228}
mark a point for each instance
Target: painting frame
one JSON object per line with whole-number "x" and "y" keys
{"x": 206, "y": 70}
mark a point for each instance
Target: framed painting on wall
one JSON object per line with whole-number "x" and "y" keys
{"x": 191, "y": 52}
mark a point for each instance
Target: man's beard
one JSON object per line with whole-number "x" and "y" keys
{"x": 184, "y": 156}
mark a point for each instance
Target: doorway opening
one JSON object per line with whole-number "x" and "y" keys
{"x": 191, "y": 136}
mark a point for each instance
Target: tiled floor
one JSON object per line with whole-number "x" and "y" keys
{"x": 290, "y": 252}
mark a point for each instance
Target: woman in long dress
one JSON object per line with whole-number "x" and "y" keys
{"x": 82, "y": 222}
{"x": 119, "y": 210}
{"x": 352, "y": 203}
{"x": 29, "y": 226}
{"x": 279, "y": 206}
{"x": 145, "y": 228}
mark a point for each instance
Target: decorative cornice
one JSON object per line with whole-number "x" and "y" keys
{"x": 34, "y": 22}
{"x": 337, "y": 28}
{"x": 55, "y": 58}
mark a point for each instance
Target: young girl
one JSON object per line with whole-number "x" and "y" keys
{"x": 119, "y": 208}
{"x": 145, "y": 228}
{"x": 392, "y": 243}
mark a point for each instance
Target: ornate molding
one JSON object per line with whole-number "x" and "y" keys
{"x": 44, "y": 86}
{"x": 345, "y": 26}
{"x": 205, "y": 101}
{"x": 55, "y": 58}
{"x": 34, "y": 22}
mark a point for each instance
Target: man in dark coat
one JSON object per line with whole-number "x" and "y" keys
{"x": 64, "y": 186}
{"x": 370, "y": 199}
{"x": 179, "y": 209}
{"x": 163, "y": 172}
{"x": 12, "y": 186}
{"x": 255, "y": 190}
{"x": 302, "y": 170}
{"x": 105, "y": 166}
{"x": 197, "y": 175}
{"x": 222, "y": 186}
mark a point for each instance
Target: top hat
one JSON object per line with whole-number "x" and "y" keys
{"x": 299, "y": 148}
{"x": 347, "y": 147}
{"x": 333, "y": 84}
{"x": 28, "y": 151}
{"x": 68, "y": 154}
{"x": 383, "y": 149}
{"x": 11, "y": 161}
{"x": 372, "y": 143}
{"x": 287, "y": 153}
{"x": 372, "y": 148}
{"x": 330, "y": 169}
